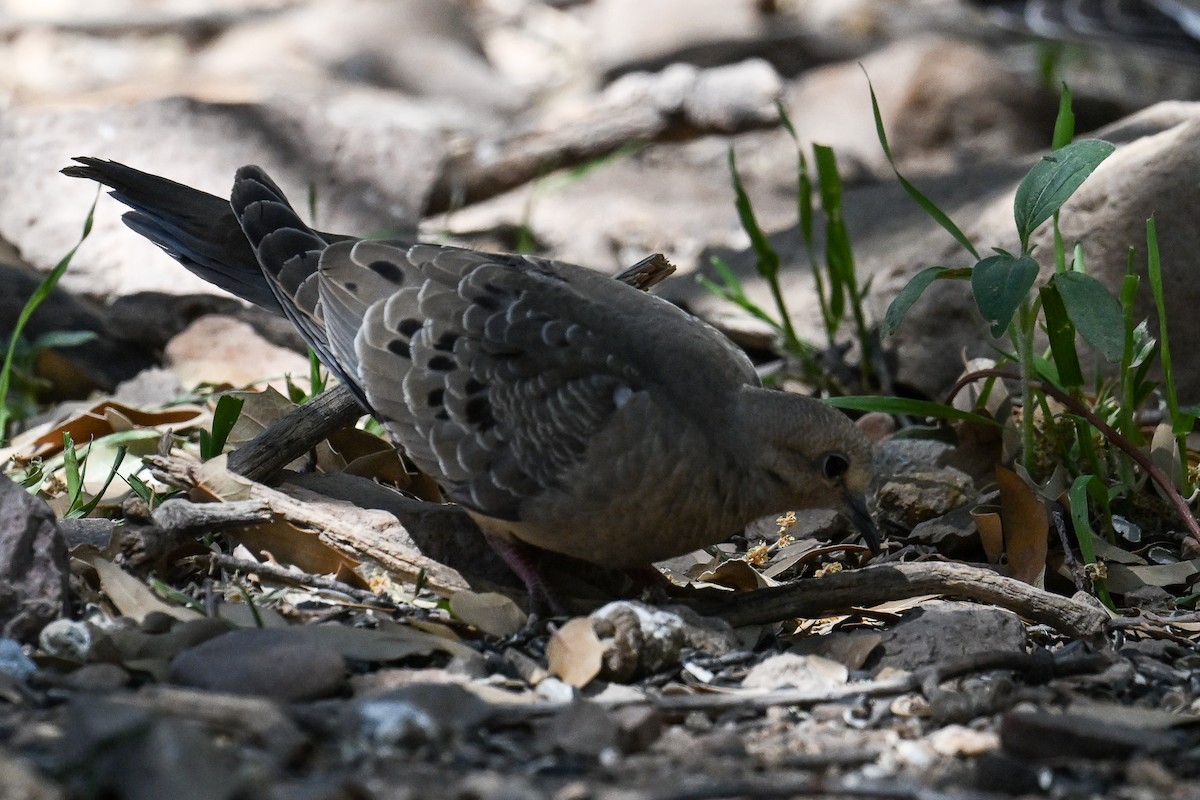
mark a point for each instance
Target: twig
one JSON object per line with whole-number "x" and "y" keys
{"x": 276, "y": 572}
{"x": 886, "y": 582}
{"x": 295, "y": 433}
{"x": 485, "y": 170}
{"x": 1060, "y": 525}
{"x": 183, "y": 516}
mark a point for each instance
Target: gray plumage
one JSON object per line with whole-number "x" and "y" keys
{"x": 560, "y": 407}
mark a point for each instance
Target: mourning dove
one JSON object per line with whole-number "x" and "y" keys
{"x": 561, "y": 408}
{"x": 1168, "y": 28}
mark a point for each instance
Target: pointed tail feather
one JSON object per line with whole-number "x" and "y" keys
{"x": 197, "y": 229}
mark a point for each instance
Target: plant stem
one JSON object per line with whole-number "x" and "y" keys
{"x": 1135, "y": 453}
{"x": 1021, "y": 333}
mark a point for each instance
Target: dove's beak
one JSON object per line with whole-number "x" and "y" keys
{"x": 856, "y": 510}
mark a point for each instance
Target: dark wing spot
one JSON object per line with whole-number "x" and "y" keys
{"x": 479, "y": 414}
{"x": 445, "y": 342}
{"x": 489, "y": 301}
{"x": 442, "y": 415}
{"x": 400, "y": 348}
{"x": 408, "y": 326}
{"x": 388, "y": 271}
{"x": 435, "y": 397}
{"x": 441, "y": 364}
{"x": 351, "y": 286}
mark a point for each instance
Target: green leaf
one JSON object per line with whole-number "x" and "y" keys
{"x": 1052, "y": 181}
{"x": 39, "y": 295}
{"x": 768, "y": 259}
{"x": 1000, "y": 283}
{"x": 1095, "y": 312}
{"x": 916, "y": 287}
{"x": 1064, "y": 123}
{"x": 62, "y": 339}
{"x": 731, "y": 289}
{"x": 1061, "y": 333}
{"x": 1083, "y": 530}
{"x": 225, "y": 415}
{"x": 907, "y": 406}
{"x": 938, "y": 216}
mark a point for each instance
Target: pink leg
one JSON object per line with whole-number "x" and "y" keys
{"x": 522, "y": 559}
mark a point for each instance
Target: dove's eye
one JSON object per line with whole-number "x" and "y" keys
{"x": 834, "y": 465}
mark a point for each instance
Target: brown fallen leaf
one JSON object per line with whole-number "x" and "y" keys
{"x": 575, "y": 654}
{"x": 132, "y": 597}
{"x": 1026, "y": 527}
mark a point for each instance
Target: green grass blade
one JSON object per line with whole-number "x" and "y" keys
{"x": 1181, "y": 422}
{"x": 1129, "y": 291}
{"x": 938, "y": 216}
{"x": 913, "y": 290}
{"x": 1064, "y": 123}
{"x": 225, "y": 416}
{"x": 90, "y": 506}
{"x": 39, "y": 295}
{"x": 1083, "y": 531}
{"x": 1061, "y": 333}
{"x": 906, "y": 406}
{"x": 768, "y": 259}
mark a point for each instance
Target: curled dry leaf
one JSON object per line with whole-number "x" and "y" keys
{"x": 1123, "y": 579}
{"x": 1026, "y": 524}
{"x": 100, "y": 420}
{"x": 575, "y": 654}
{"x": 132, "y": 597}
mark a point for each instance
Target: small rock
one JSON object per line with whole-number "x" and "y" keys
{"x": 66, "y": 639}
{"x": 33, "y": 564}
{"x": 14, "y": 662}
{"x": 954, "y": 535}
{"x": 581, "y": 729}
{"x": 98, "y": 678}
{"x": 269, "y": 662}
{"x": 21, "y": 781}
{"x": 642, "y": 640}
{"x": 638, "y": 727}
{"x": 941, "y": 630}
{"x": 811, "y": 673}
{"x": 175, "y": 758}
{"x": 910, "y": 499}
{"x": 429, "y": 714}
{"x": 222, "y": 350}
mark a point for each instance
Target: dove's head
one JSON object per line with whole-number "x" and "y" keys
{"x": 806, "y": 454}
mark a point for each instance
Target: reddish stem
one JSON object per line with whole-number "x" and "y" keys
{"x": 1110, "y": 433}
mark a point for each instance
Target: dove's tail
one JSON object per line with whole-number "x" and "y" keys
{"x": 288, "y": 252}
{"x": 197, "y": 229}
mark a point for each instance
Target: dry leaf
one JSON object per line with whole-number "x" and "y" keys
{"x": 490, "y": 612}
{"x": 132, "y": 597}
{"x": 1164, "y": 452}
{"x": 100, "y": 420}
{"x": 736, "y": 574}
{"x": 294, "y": 546}
{"x": 1122, "y": 579}
{"x": 991, "y": 532}
{"x": 1026, "y": 525}
{"x": 574, "y": 653}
